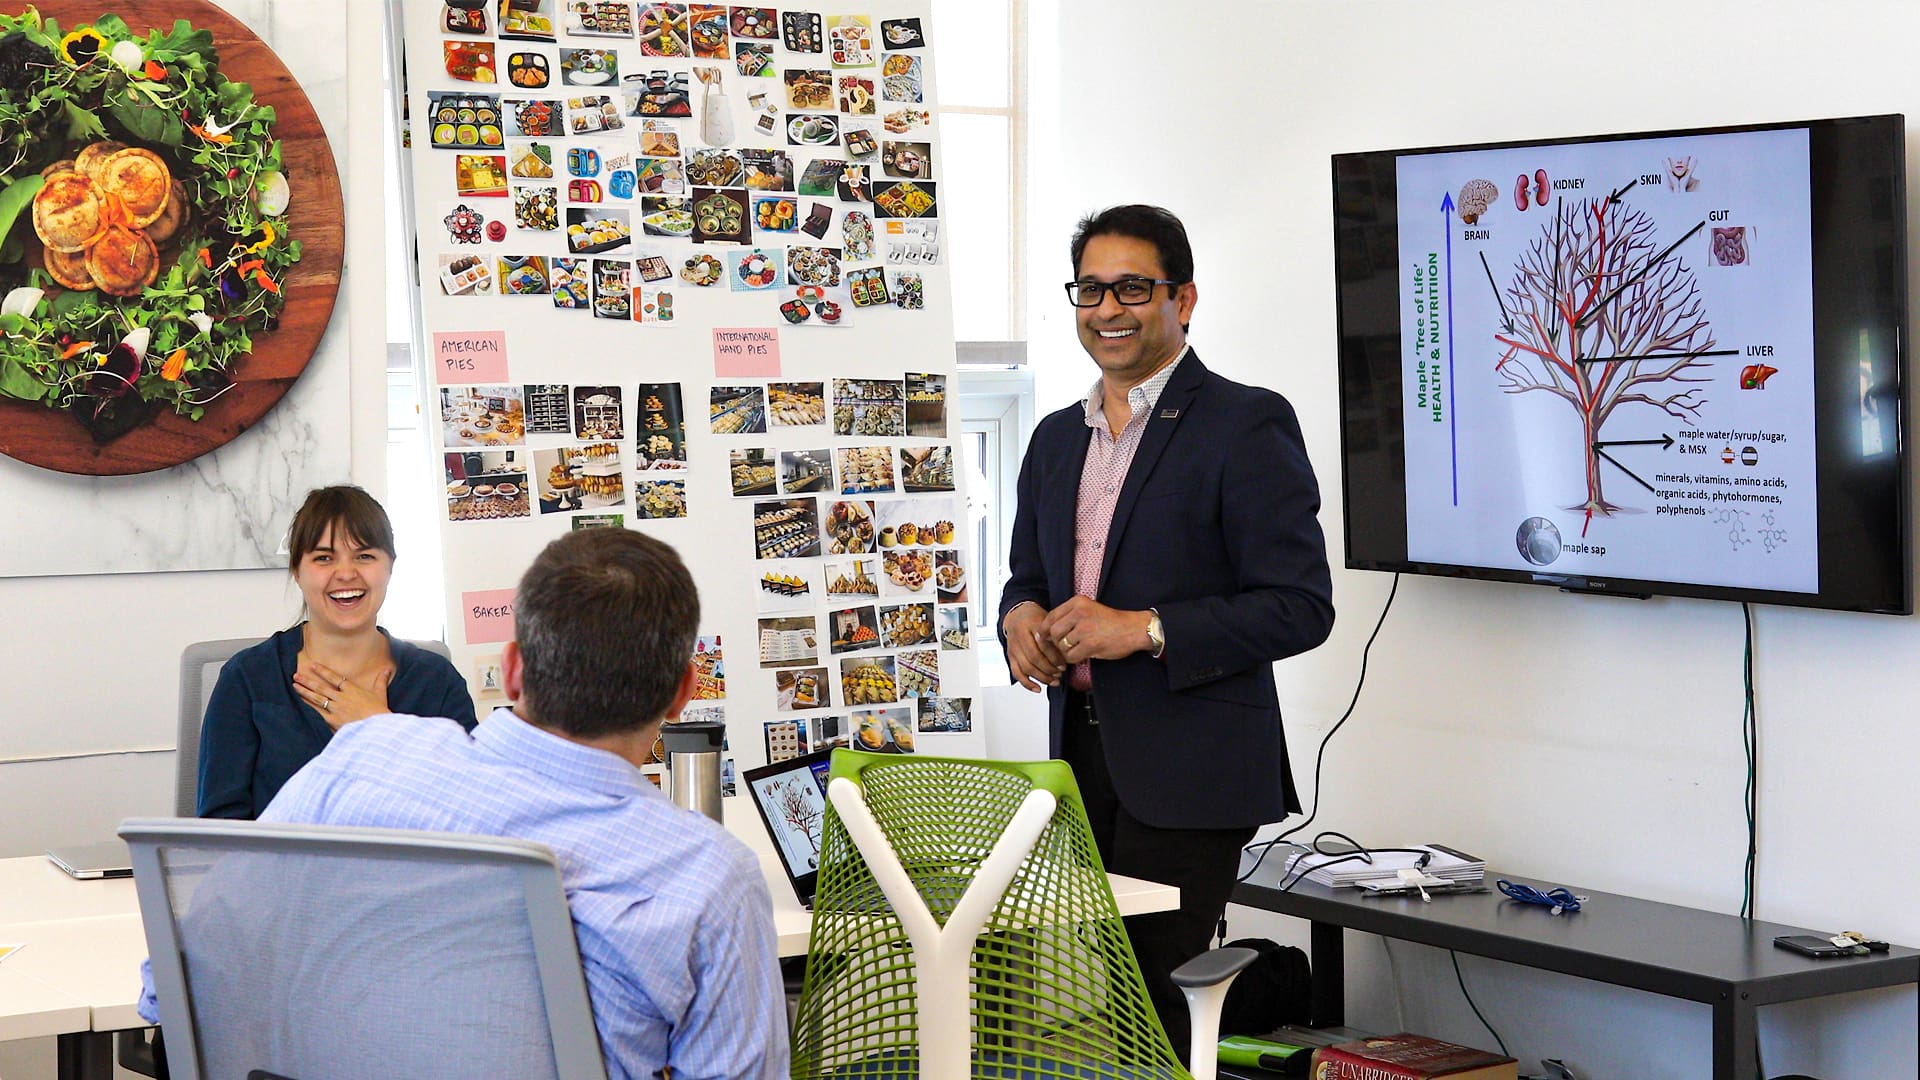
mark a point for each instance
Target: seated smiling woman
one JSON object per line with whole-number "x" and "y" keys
{"x": 278, "y": 703}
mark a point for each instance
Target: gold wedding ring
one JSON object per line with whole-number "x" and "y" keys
{"x": 326, "y": 703}
{"x": 1067, "y": 642}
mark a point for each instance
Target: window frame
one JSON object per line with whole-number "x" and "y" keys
{"x": 1015, "y": 113}
{"x": 998, "y": 402}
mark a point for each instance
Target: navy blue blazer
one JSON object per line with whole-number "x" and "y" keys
{"x": 257, "y": 732}
{"x": 1216, "y": 528}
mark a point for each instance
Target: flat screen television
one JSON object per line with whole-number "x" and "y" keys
{"x": 1659, "y": 363}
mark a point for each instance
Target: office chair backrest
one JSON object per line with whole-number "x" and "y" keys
{"x": 990, "y": 876}
{"x": 317, "y": 952}
{"x": 200, "y": 668}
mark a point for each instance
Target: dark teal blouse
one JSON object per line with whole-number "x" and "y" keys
{"x": 257, "y": 732}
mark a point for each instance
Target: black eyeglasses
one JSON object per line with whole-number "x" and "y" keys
{"x": 1131, "y": 291}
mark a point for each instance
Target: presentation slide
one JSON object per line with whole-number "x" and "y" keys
{"x": 796, "y": 810}
{"x": 1608, "y": 350}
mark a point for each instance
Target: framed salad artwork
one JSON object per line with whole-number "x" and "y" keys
{"x": 171, "y": 233}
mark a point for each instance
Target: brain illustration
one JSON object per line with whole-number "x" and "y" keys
{"x": 1475, "y": 198}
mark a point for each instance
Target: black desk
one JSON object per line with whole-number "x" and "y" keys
{"x": 1722, "y": 960}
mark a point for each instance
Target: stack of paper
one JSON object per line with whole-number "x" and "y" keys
{"x": 1345, "y": 870}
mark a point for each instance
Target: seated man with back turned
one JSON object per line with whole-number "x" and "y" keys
{"x": 672, "y": 915}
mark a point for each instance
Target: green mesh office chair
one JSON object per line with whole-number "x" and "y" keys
{"x": 963, "y": 926}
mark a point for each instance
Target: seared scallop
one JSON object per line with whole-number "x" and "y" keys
{"x": 142, "y": 181}
{"x": 90, "y": 158}
{"x": 67, "y": 212}
{"x": 172, "y": 217}
{"x": 67, "y": 268}
{"x": 124, "y": 261}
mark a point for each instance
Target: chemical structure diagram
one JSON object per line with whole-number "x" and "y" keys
{"x": 1770, "y": 535}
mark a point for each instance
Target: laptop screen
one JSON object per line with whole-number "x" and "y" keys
{"x": 792, "y": 800}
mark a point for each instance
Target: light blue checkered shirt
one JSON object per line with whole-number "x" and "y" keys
{"x": 671, "y": 912}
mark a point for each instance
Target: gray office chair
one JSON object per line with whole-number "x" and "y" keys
{"x": 318, "y": 952}
{"x": 200, "y": 668}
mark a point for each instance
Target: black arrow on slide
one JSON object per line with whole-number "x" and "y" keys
{"x": 1651, "y": 263}
{"x": 1655, "y": 356}
{"x": 1622, "y": 190}
{"x": 1623, "y": 468}
{"x": 1662, "y": 442}
{"x": 1506, "y": 320}
{"x": 1553, "y": 332}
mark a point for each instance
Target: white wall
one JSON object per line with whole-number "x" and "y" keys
{"x": 1594, "y": 740}
{"x": 91, "y": 664}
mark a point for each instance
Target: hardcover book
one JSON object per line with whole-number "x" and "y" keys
{"x": 1409, "y": 1057}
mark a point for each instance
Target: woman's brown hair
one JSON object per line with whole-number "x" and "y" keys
{"x": 348, "y": 508}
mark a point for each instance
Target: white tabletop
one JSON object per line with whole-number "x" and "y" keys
{"x": 84, "y": 943}
{"x": 30, "y": 1009}
{"x": 32, "y": 889}
{"x": 80, "y": 969}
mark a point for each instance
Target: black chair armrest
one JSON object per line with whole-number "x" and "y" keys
{"x": 1213, "y": 967}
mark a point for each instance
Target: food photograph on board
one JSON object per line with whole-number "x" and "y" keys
{"x": 487, "y": 485}
{"x": 737, "y": 410}
{"x": 662, "y": 438}
{"x": 654, "y": 499}
{"x": 482, "y": 415}
{"x": 854, "y": 629}
{"x": 788, "y": 641}
{"x": 786, "y": 529}
{"x": 803, "y": 472}
{"x": 752, "y": 471}
{"x": 849, "y": 527}
{"x": 926, "y": 468}
{"x": 789, "y": 586}
{"x": 579, "y": 478}
{"x": 797, "y": 404}
{"x": 152, "y": 250}
{"x": 918, "y": 672}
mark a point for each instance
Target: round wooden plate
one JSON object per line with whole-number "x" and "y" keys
{"x": 52, "y": 438}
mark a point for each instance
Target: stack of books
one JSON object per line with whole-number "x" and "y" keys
{"x": 1410, "y": 1057}
{"x": 1383, "y": 867}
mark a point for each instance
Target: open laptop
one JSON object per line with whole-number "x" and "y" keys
{"x": 791, "y": 796}
{"x": 108, "y": 859}
{"x": 792, "y": 799}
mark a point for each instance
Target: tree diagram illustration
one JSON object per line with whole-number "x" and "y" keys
{"x": 1601, "y": 316}
{"x": 800, "y": 807}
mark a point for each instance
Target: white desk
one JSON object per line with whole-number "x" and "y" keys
{"x": 78, "y": 976}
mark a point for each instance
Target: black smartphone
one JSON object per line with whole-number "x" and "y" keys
{"x": 1814, "y": 945}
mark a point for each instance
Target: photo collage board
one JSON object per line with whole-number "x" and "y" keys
{"x": 627, "y": 210}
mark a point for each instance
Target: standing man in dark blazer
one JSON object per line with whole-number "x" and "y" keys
{"x": 1165, "y": 553}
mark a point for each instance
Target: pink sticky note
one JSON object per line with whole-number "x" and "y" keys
{"x": 470, "y": 356}
{"x": 750, "y": 352}
{"x": 488, "y": 615}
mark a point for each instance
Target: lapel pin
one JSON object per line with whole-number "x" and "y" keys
{"x": 1169, "y": 414}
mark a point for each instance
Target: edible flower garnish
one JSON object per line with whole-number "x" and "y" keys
{"x": 128, "y": 56}
{"x": 83, "y": 46}
{"x": 22, "y": 300}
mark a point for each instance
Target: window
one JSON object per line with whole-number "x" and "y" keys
{"x": 996, "y": 415}
{"x": 981, "y": 99}
{"x": 416, "y": 600}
